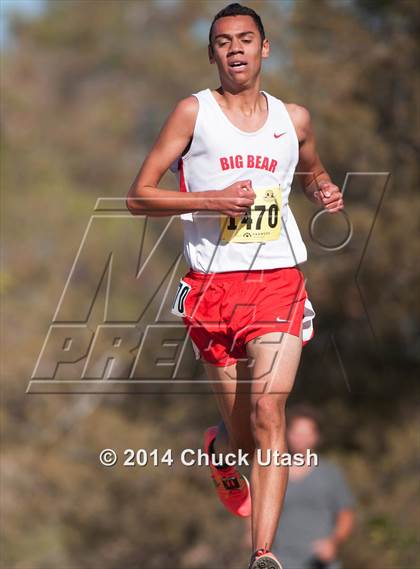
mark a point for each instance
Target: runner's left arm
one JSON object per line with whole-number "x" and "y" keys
{"x": 315, "y": 180}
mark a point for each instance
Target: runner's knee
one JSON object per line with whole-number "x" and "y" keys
{"x": 268, "y": 414}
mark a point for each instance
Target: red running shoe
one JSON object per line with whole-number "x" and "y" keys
{"x": 264, "y": 559}
{"x": 231, "y": 486}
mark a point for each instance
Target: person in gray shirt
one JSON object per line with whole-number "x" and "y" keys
{"x": 318, "y": 506}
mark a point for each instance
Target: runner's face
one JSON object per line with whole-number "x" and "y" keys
{"x": 302, "y": 434}
{"x": 236, "y": 49}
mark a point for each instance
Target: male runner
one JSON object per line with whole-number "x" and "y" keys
{"x": 243, "y": 300}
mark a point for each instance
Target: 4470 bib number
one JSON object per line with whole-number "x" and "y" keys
{"x": 261, "y": 223}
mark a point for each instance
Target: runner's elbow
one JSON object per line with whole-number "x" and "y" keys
{"x": 135, "y": 206}
{"x": 134, "y": 202}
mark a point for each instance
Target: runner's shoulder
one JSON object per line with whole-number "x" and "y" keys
{"x": 186, "y": 109}
{"x": 301, "y": 118}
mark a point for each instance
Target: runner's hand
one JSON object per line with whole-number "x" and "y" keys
{"x": 330, "y": 197}
{"x": 235, "y": 200}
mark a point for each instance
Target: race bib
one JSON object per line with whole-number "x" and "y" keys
{"x": 261, "y": 223}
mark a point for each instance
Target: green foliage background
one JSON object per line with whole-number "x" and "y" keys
{"x": 86, "y": 86}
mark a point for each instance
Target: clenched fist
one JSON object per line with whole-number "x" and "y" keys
{"x": 235, "y": 200}
{"x": 330, "y": 197}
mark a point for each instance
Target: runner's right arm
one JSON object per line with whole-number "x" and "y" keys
{"x": 145, "y": 198}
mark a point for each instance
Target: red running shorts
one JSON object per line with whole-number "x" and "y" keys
{"x": 224, "y": 311}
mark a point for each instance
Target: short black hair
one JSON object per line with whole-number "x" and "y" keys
{"x": 236, "y": 9}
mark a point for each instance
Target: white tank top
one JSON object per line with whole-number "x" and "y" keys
{"x": 221, "y": 154}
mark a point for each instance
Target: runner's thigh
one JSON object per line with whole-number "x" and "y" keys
{"x": 275, "y": 358}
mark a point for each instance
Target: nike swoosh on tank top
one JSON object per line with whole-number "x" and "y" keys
{"x": 221, "y": 154}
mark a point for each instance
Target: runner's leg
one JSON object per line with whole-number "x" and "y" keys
{"x": 276, "y": 360}
{"x": 232, "y": 387}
